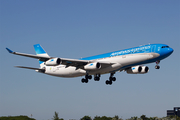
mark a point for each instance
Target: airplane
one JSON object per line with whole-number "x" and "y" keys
{"x": 131, "y": 60}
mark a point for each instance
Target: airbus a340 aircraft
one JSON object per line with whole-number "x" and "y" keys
{"x": 129, "y": 60}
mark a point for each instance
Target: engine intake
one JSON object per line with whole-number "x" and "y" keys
{"x": 92, "y": 66}
{"x": 53, "y": 62}
{"x": 145, "y": 69}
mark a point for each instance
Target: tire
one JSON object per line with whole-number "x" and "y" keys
{"x": 113, "y": 79}
{"x": 90, "y": 77}
{"x": 82, "y": 80}
{"x": 107, "y": 82}
{"x": 110, "y": 82}
{"x": 86, "y": 80}
{"x": 157, "y": 67}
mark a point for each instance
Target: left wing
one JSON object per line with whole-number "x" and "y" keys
{"x": 64, "y": 61}
{"x": 40, "y": 56}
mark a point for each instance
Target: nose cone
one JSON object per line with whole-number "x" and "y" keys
{"x": 166, "y": 52}
{"x": 170, "y": 51}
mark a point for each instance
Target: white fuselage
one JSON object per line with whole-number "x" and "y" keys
{"x": 119, "y": 62}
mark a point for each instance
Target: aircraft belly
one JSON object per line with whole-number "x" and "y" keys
{"x": 65, "y": 71}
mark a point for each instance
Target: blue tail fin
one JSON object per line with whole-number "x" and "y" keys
{"x": 40, "y": 51}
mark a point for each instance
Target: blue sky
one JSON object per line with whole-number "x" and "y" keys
{"x": 81, "y": 28}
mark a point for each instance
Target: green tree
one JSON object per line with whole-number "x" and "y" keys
{"x": 144, "y": 117}
{"x": 116, "y": 117}
{"x": 134, "y": 118}
{"x": 97, "y": 118}
{"x": 56, "y": 117}
{"x": 106, "y": 118}
{"x": 86, "y": 118}
{"x": 16, "y": 118}
{"x": 102, "y": 118}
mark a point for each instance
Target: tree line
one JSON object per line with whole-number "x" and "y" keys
{"x": 116, "y": 117}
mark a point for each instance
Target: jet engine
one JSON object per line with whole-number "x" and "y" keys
{"x": 145, "y": 69}
{"x": 53, "y": 62}
{"x": 137, "y": 70}
{"x": 92, "y": 66}
{"x": 134, "y": 70}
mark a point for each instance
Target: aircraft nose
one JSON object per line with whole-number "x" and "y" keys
{"x": 170, "y": 50}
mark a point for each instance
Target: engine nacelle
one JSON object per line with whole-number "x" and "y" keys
{"x": 145, "y": 69}
{"x": 137, "y": 70}
{"x": 134, "y": 70}
{"x": 53, "y": 62}
{"x": 92, "y": 66}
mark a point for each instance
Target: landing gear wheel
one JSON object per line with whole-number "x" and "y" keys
{"x": 90, "y": 77}
{"x": 84, "y": 80}
{"x": 96, "y": 78}
{"x": 112, "y": 78}
{"x": 157, "y": 67}
{"x": 108, "y": 82}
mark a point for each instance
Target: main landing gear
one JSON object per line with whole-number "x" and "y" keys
{"x": 157, "y": 66}
{"x": 97, "y": 78}
{"x": 85, "y": 80}
{"x": 111, "y": 79}
{"x": 87, "y": 77}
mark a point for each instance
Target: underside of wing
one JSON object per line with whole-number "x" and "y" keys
{"x": 82, "y": 63}
{"x": 73, "y": 62}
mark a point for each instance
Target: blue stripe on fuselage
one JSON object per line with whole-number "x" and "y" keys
{"x": 135, "y": 50}
{"x": 152, "y": 48}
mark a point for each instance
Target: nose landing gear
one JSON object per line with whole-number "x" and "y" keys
{"x": 157, "y": 65}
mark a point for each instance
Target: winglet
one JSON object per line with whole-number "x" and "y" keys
{"x": 10, "y": 51}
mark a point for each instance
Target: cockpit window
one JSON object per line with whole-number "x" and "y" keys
{"x": 165, "y": 47}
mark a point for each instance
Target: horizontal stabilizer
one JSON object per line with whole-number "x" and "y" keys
{"x": 39, "y": 69}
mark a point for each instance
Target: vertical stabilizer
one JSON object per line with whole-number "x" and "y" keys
{"x": 41, "y": 52}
